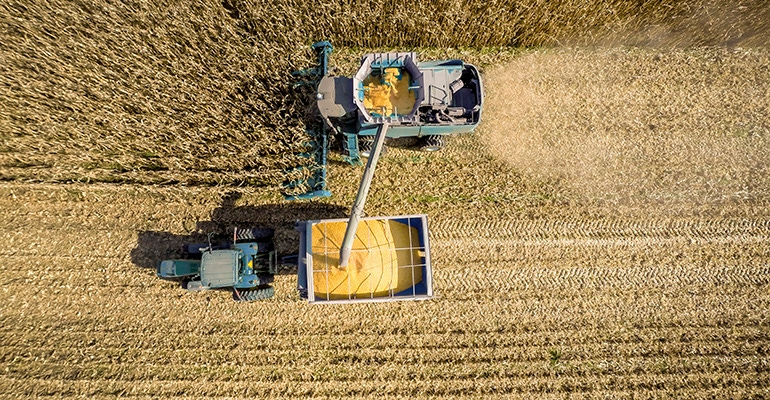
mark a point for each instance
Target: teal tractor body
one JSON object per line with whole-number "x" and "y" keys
{"x": 427, "y": 101}
{"x": 246, "y": 265}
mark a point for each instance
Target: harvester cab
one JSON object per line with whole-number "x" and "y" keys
{"x": 425, "y": 100}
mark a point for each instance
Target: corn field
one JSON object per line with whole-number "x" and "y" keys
{"x": 605, "y": 232}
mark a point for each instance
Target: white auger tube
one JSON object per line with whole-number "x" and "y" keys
{"x": 363, "y": 191}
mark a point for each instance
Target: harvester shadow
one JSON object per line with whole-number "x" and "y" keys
{"x": 154, "y": 246}
{"x": 407, "y": 143}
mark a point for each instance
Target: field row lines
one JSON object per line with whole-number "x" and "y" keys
{"x": 692, "y": 385}
{"x": 512, "y": 277}
{"x": 605, "y": 227}
{"x": 85, "y": 354}
{"x": 609, "y": 242}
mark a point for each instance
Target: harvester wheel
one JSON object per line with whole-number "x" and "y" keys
{"x": 365, "y": 144}
{"x": 256, "y": 294}
{"x": 254, "y": 234}
{"x": 433, "y": 143}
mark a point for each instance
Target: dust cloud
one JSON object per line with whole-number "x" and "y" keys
{"x": 682, "y": 24}
{"x": 636, "y": 126}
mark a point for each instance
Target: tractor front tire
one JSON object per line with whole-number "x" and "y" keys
{"x": 433, "y": 143}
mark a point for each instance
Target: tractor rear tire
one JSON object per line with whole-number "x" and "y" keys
{"x": 254, "y": 234}
{"x": 433, "y": 143}
{"x": 257, "y": 294}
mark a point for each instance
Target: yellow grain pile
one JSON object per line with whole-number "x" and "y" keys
{"x": 389, "y": 93}
{"x": 382, "y": 261}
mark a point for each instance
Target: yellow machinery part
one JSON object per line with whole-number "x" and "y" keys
{"x": 385, "y": 259}
{"x": 388, "y": 93}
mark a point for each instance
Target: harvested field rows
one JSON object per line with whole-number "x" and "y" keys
{"x": 534, "y": 307}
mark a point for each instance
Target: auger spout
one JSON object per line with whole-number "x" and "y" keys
{"x": 363, "y": 191}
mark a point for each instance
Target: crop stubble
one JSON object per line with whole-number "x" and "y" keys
{"x": 545, "y": 306}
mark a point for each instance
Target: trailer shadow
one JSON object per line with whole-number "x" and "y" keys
{"x": 154, "y": 246}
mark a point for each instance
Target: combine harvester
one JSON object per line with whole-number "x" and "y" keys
{"x": 427, "y": 101}
{"x": 356, "y": 259}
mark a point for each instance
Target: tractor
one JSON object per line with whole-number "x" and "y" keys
{"x": 247, "y": 264}
{"x": 390, "y": 261}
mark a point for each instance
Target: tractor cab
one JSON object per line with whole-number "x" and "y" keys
{"x": 247, "y": 265}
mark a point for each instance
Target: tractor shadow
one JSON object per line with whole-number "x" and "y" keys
{"x": 154, "y": 246}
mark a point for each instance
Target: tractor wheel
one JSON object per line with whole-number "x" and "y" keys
{"x": 257, "y": 294}
{"x": 433, "y": 143}
{"x": 254, "y": 234}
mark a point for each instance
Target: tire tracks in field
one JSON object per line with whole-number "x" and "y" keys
{"x": 476, "y": 255}
{"x": 599, "y": 228}
{"x": 573, "y": 279}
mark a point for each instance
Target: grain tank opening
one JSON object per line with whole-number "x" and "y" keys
{"x": 388, "y": 86}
